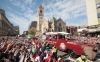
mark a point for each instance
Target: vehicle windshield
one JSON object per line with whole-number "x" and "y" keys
{"x": 61, "y": 36}
{"x": 55, "y": 37}
{"x": 71, "y": 39}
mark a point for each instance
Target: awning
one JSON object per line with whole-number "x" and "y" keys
{"x": 51, "y": 33}
{"x": 63, "y": 33}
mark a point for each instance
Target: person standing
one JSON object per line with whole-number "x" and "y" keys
{"x": 54, "y": 52}
{"x": 44, "y": 37}
{"x": 82, "y": 58}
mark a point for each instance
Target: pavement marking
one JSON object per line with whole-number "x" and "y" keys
{"x": 90, "y": 61}
{"x": 98, "y": 59}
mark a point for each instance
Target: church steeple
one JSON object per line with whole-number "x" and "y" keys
{"x": 53, "y": 17}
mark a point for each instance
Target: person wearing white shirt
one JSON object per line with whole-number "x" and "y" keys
{"x": 37, "y": 59}
{"x": 43, "y": 37}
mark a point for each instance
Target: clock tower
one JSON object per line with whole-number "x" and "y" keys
{"x": 40, "y": 18}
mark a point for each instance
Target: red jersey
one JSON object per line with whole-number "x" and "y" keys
{"x": 60, "y": 61}
{"x": 49, "y": 57}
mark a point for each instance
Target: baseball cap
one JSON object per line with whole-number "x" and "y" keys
{"x": 84, "y": 54}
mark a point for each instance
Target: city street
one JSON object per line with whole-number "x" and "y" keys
{"x": 69, "y": 59}
{"x": 65, "y": 57}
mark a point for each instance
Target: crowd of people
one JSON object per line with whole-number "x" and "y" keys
{"x": 20, "y": 49}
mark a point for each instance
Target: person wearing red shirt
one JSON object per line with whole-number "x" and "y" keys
{"x": 57, "y": 37}
{"x": 49, "y": 57}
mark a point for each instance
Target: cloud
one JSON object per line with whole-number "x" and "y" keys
{"x": 28, "y": 1}
{"x": 25, "y": 5}
{"x": 18, "y": 13}
{"x": 15, "y": 2}
{"x": 68, "y": 10}
{"x": 24, "y": 18}
{"x": 31, "y": 17}
{"x": 8, "y": 7}
{"x": 83, "y": 22}
{"x": 22, "y": 22}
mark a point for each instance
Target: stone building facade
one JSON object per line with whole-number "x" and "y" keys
{"x": 33, "y": 24}
{"x": 42, "y": 24}
{"x": 93, "y": 12}
{"x": 16, "y": 30}
{"x": 56, "y": 25}
{"x": 6, "y": 28}
{"x": 72, "y": 29}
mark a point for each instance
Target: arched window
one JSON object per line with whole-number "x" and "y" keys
{"x": 41, "y": 11}
{"x": 60, "y": 27}
{"x": 59, "y": 24}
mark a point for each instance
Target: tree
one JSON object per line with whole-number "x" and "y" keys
{"x": 32, "y": 31}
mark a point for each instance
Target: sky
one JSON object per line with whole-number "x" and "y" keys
{"x": 23, "y": 12}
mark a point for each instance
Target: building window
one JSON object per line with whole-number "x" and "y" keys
{"x": 2, "y": 23}
{"x": 59, "y": 24}
{"x": 60, "y": 29}
{"x": 41, "y": 11}
{"x": 98, "y": 5}
{"x": 92, "y": 27}
{"x": 98, "y": 15}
